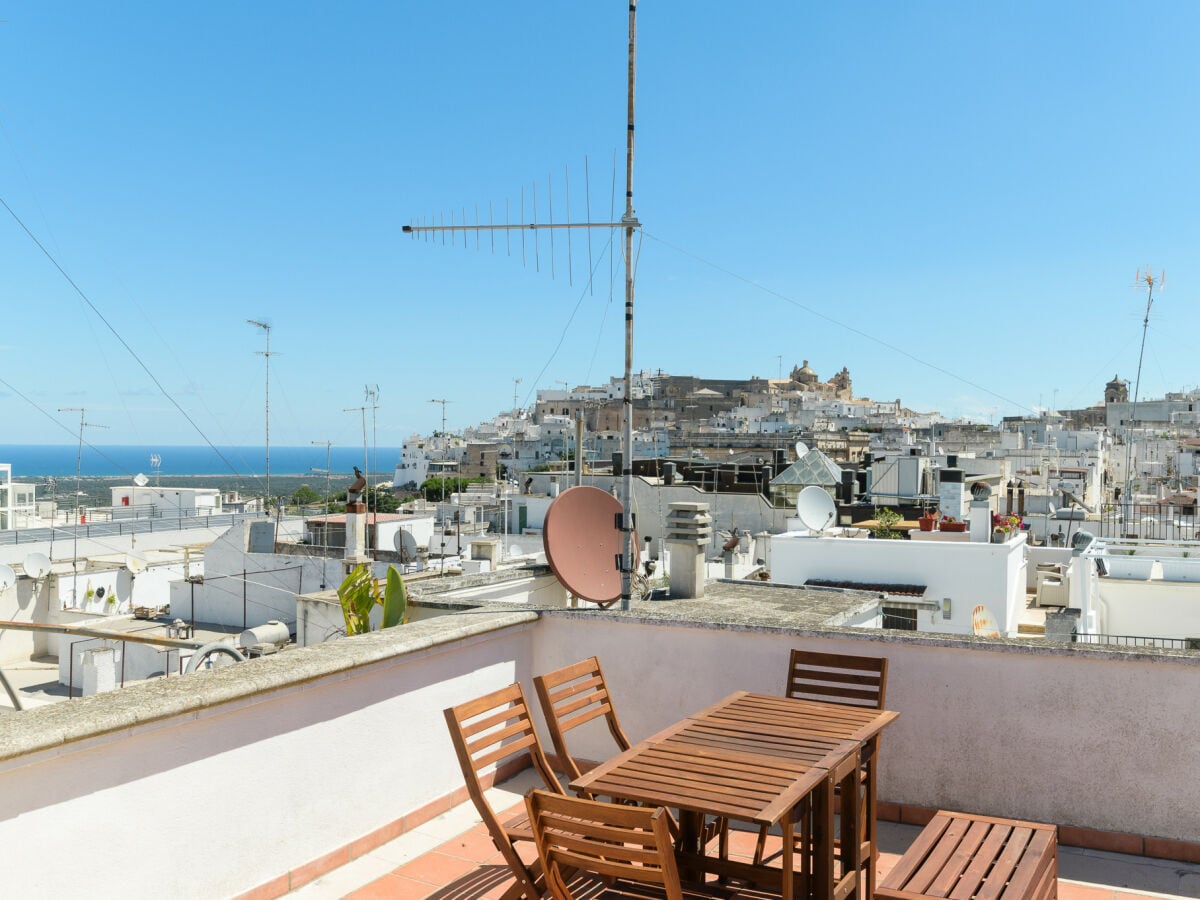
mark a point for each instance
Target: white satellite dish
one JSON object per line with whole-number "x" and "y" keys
{"x": 36, "y": 565}
{"x": 135, "y": 563}
{"x": 140, "y": 480}
{"x": 515, "y": 550}
{"x": 7, "y": 577}
{"x": 815, "y": 508}
{"x": 406, "y": 546}
{"x": 801, "y": 449}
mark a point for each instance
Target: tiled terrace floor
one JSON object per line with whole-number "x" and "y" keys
{"x": 452, "y": 858}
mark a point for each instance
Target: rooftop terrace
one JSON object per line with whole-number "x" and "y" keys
{"x": 291, "y": 766}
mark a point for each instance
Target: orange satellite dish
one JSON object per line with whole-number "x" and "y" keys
{"x": 582, "y": 538}
{"x": 983, "y": 623}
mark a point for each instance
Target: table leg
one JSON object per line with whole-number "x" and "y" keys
{"x": 691, "y": 840}
{"x": 788, "y": 858}
{"x": 822, "y": 840}
{"x": 871, "y": 759}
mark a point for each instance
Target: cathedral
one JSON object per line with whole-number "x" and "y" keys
{"x": 838, "y": 387}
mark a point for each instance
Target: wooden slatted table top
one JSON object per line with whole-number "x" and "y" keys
{"x": 969, "y": 857}
{"x": 749, "y": 757}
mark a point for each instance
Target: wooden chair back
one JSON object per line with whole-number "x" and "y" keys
{"x": 837, "y": 678}
{"x": 486, "y": 732}
{"x": 572, "y": 696}
{"x": 609, "y": 840}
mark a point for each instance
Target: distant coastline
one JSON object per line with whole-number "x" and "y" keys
{"x": 33, "y": 461}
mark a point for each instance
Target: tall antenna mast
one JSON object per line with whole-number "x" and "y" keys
{"x": 1146, "y": 278}
{"x": 267, "y": 401}
{"x": 629, "y": 223}
{"x": 516, "y": 384}
{"x": 78, "y": 462}
{"x": 371, "y": 396}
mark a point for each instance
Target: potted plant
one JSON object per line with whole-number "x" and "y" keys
{"x": 1003, "y": 527}
{"x": 950, "y": 523}
{"x": 928, "y": 522}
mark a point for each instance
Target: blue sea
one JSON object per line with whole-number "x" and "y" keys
{"x": 33, "y": 460}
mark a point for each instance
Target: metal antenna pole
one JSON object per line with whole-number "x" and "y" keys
{"x": 630, "y": 222}
{"x": 443, "y": 402}
{"x": 371, "y": 395}
{"x": 325, "y": 531}
{"x": 1150, "y": 281}
{"x": 516, "y": 384}
{"x": 78, "y": 470}
{"x": 267, "y": 400}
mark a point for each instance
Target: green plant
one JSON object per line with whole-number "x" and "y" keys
{"x": 885, "y": 518}
{"x": 359, "y": 593}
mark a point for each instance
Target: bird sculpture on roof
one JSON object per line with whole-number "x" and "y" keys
{"x": 354, "y": 492}
{"x": 734, "y": 540}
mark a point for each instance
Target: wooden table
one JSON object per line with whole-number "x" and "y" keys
{"x": 750, "y": 757}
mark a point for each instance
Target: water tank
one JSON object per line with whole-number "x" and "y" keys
{"x": 274, "y": 632}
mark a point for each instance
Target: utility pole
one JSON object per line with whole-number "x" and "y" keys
{"x": 78, "y": 470}
{"x": 267, "y": 397}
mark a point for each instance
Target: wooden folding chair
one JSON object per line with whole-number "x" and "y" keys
{"x": 572, "y": 696}
{"x": 851, "y": 681}
{"x": 485, "y": 732}
{"x": 577, "y": 694}
{"x": 608, "y": 851}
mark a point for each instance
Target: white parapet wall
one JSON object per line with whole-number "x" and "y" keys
{"x": 337, "y": 742}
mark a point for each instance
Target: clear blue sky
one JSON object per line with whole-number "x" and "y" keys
{"x": 974, "y": 185}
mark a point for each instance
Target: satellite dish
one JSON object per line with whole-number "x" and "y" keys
{"x": 135, "y": 563}
{"x": 983, "y": 623}
{"x": 36, "y": 565}
{"x": 815, "y": 508}
{"x": 515, "y": 550}
{"x": 7, "y": 577}
{"x": 406, "y": 546}
{"x": 140, "y": 480}
{"x": 801, "y": 449}
{"x": 582, "y": 538}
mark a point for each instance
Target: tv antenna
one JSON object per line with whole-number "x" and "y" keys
{"x": 266, "y": 354}
{"x": 371, "y": 396}
{"x": 516, "y": 384}
{"x": 156, "y": 467}
{"x": 629, "y": 224}
{"x": 78, "y": 464}
{"x": 1143, "y": 278}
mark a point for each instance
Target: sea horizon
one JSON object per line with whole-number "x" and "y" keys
{"x": 115, "y": 460}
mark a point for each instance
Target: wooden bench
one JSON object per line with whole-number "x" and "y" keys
{"x": 963, "y": 856}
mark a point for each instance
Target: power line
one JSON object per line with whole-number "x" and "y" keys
{"x": 145, "y": 368}
{"x": 853, "y": 330}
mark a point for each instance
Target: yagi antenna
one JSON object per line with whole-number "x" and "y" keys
{"x": 629, "y": 223}
{"x": 458, "y": 224}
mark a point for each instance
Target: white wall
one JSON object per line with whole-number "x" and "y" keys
{"x": 968, "y": 573}
{"x": 25, "y": 601}
{"x": 180, "y": 784}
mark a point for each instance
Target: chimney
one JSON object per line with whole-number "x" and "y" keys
{"x": 668, "y": 477}
{"x": 689, "y": 529}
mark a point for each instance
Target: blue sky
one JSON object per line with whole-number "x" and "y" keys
{"x": 949, "y": 199}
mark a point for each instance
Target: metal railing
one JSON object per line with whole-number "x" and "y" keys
{"x": 1147, "y": 521}
{"x": 120, "y": 527}
{"x": 1129, "y": 640}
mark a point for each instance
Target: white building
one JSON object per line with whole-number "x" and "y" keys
{"x": 18, "y": 508}
{"x": 138, "y": 501}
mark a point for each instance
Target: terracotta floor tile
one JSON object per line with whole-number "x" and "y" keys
{"x": 481, "y": 883}
{"x": 476, "y": 845}
{"x": 1068, "y": 891}
{"x": 436, "y": 868}
{"x": 391, "y": 887}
